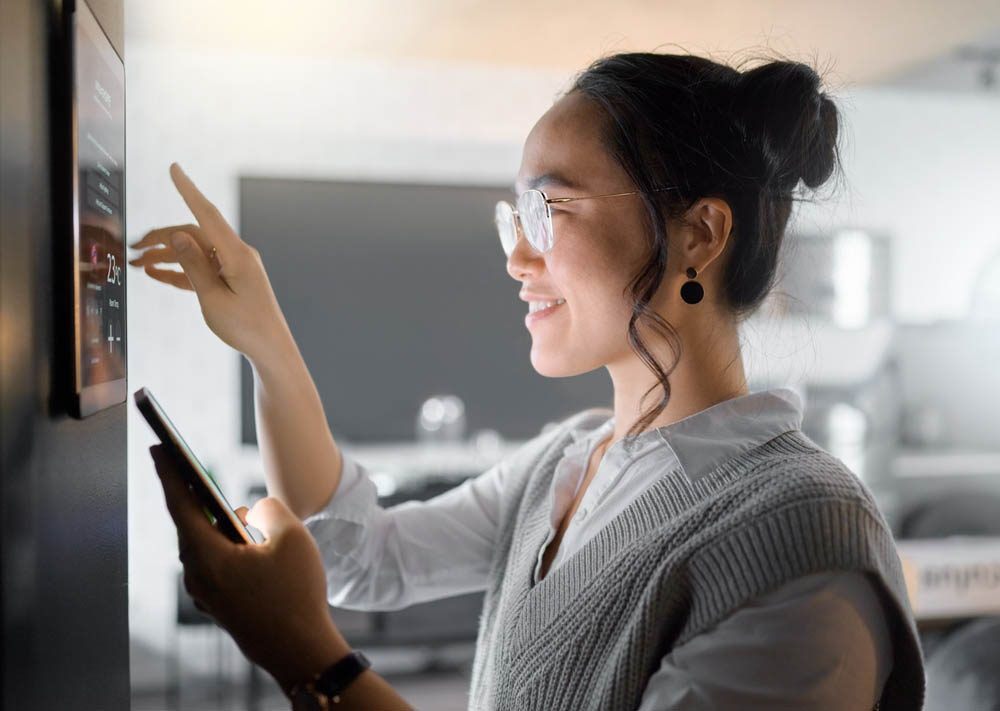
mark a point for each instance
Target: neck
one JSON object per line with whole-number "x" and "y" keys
{"x": 710, "y": 371}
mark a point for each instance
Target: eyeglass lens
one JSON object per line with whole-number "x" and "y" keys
{"x": 504, "y": 219}
{"x": 535, "y": 222}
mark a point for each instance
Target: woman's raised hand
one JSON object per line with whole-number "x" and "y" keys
{"x": 224, "y": 271}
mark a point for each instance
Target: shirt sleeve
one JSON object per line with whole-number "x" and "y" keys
{"x": 389, "y": 558}
{"x": 818, "y": 643}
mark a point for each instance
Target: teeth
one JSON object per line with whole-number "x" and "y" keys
{"x": 534, "y": 306}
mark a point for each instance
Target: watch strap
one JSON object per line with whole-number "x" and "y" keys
{"x": 325, "y": 688}
{"x": 335, "y": 679}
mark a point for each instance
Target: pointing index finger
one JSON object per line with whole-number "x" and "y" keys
{"x": 201, "y": 207}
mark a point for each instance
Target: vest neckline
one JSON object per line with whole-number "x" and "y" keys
{"x": 537, "y": 604}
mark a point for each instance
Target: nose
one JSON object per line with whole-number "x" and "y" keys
{"x": 523, "y": 260}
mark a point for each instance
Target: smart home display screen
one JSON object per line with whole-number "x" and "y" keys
{"x": 99, "y": 103}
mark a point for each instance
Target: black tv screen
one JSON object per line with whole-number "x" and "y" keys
{"x": 398, "y": 292}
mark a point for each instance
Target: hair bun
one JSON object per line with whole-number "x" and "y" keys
{"x": 782, "y": 112}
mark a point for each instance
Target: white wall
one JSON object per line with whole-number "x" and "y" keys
{"x": 922, "y": 167}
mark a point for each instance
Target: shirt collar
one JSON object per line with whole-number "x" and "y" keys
{"x": 702, "y": 441}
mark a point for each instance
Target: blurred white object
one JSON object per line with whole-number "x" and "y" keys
{"x": 843, "y": 278}
{"x": 951, "y": 367}
{"x": 847, "y": 433}
{"x": 986, "y": 294}
{"x": 441, "y": 419}
{"x": 488, "y": 444}
{"x": 797, "y": 350}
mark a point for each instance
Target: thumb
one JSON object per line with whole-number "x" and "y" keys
{"x": 193, "y": 261}
{"x": 271, "y": 517}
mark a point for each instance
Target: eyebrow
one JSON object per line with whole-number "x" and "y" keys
{"x": 548, "y": 179}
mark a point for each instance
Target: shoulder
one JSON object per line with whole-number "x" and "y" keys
{"x": 791, "y": 469}
{"x": 796, "y": 509}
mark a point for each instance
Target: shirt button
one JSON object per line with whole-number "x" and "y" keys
{"x": 580, "y": 515}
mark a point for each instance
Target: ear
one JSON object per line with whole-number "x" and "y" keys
{"x": 709, "y": 221}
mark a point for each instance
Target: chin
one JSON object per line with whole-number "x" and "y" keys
{"x": 558, "y": 365}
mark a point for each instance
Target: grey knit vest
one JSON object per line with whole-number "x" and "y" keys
{"x": 680, "y": 558}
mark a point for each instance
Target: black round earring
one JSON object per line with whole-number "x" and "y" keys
{"x": 692, "y": 292}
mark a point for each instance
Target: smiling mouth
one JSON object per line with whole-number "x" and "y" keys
{"x": 546, "y": 309}
{"x": 542, "y": 305}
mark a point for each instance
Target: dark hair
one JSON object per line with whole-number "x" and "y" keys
{"x": 710, "y": 130}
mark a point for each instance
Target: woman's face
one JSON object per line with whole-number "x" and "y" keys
{"x": 599, "y": 245}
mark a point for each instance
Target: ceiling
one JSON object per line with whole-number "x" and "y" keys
{"x": 852, "y": 41}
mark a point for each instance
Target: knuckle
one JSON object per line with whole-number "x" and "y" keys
{"x": 247, "y": 257}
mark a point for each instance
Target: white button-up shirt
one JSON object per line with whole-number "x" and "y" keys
{"x": 818, "y": 642}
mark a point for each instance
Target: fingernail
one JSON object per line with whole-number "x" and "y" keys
{"x": 179, "y": 241}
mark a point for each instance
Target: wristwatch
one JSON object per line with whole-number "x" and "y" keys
{"x": 323, "y": 690}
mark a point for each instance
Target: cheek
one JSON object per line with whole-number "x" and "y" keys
{"x": 595, "y": 282}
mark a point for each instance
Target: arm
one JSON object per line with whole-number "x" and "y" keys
{"x": 302, "y": 463}
{"x": 386, "y": 559}
{"x": 820, "y": 642}
{"x": 301, "y": 460}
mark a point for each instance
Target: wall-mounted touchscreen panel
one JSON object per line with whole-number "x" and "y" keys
{"x": 99, "y": 219}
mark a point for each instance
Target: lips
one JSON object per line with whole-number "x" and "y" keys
{"x": 540, "y": 314}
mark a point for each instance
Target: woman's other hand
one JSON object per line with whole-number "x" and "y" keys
{"x": 224, "y": 271}
{"x": 271, "y": 597}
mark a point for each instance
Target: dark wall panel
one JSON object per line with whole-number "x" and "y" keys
{"x": 63, "y": 489}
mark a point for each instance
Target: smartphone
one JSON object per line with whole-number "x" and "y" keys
{"x": 199, "y": 480}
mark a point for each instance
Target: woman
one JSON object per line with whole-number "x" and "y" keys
{"x": 696, "y": 553}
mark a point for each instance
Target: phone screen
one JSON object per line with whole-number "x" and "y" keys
{"x": 217, "y": 507}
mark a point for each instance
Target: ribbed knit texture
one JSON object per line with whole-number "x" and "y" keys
{"x": 678, "y": 560}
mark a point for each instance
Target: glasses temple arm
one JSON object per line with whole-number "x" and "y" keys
{"x": 591, "y": 197}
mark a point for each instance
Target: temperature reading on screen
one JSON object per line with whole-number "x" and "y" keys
{"x": 114, "y": 271}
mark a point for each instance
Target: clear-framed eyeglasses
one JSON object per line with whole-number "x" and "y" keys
{"x": 534, "y": 216}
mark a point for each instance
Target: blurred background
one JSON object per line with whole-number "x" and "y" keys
{"x": 361, "y": 147}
